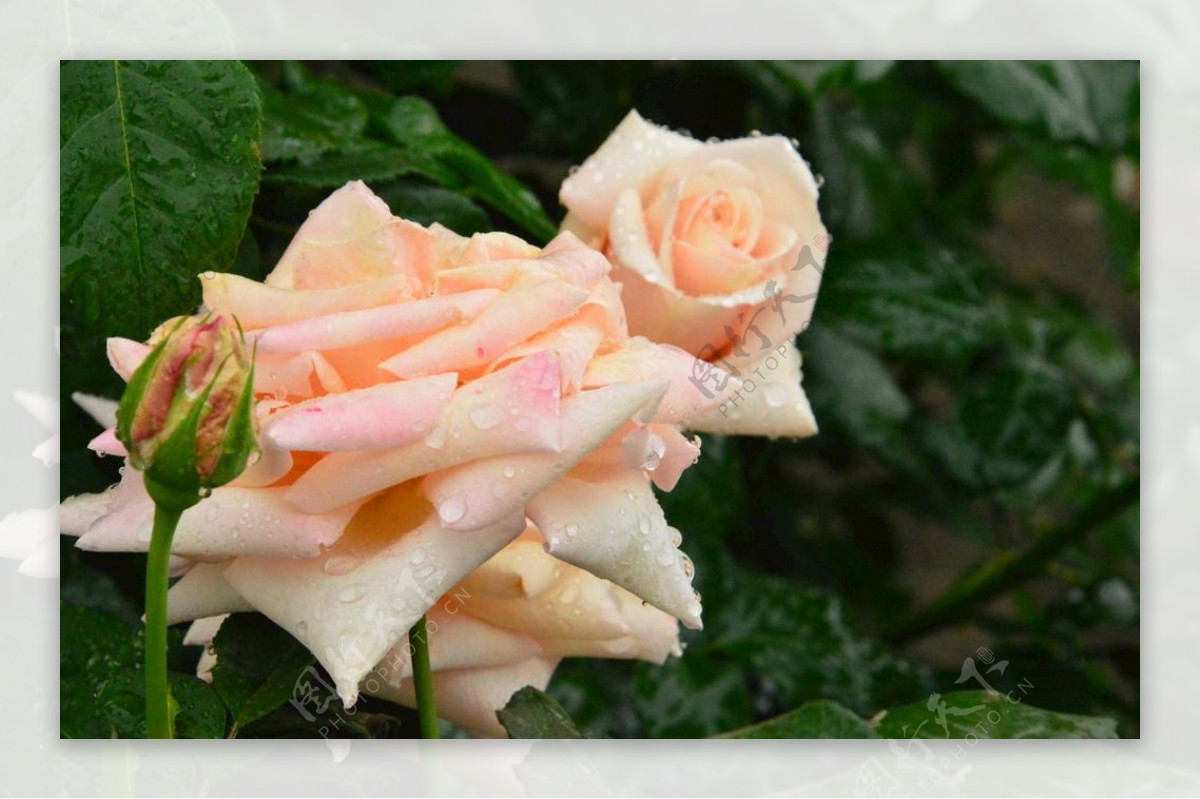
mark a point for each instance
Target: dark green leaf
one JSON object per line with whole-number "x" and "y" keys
{"x": 574, "y": 105}
{"x": 1090, "y": 101}
{"x": 987, "y": 715}
{"x": 158, "y": 170}
{"x": 799, "y": 644}
{"x": 318, "y": 118}
{"x": 413, "y": 124}
{"x": 198, "y": 711}
{"x": 852, "y": 388}
{"x": 817, "y": 719}
{"x": 159, "y": 166}
{"x": 258, "y": 665}
{"x": 415, "y": 77}
{"x": 429, "y": 204}
{"x": 364, "y": 160}
{"x": 1013, "y": 420}
{"x": 95, "y": 647}
{"x": 531, "y": 713}
{"x": 927, "y": 304}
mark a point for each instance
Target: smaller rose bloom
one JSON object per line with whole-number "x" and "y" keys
{"x": 186, "y": 417}
{"x": 719, "y": 248}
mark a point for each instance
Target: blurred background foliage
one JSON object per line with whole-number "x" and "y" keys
{"x": 973, "y": 363}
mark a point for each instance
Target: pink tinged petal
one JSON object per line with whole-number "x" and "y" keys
{"x": 635, "y": 153}
{"x": 384, "y": 415}
{"x": 357, "y": 600}
{"x": 302, "y": 375}
{"x": 681, "y": 453}
{"x": 629, "y": 240}
{"x": 780, "y": 176}
{"x": 349, "y": 328}
{"x": 231, "y": 522}
{"x": 620, "y": 534}
{"x": 471, "y": 697}
{"x": 101, "y": 409}
{"x": 693, "y": 386}
{"x": 202, "y": 592}
{"x": 775, "y": 407}
{"x": 107, "y": 443}
{"x": 511, "y": 318}
{"x": 660, "y": 219}
{"x": 257, "y": 305}
{"x": 479, "y": 492}
{"x": 570, "y": 259}
{"x": 352, "y": 237}
{"x": 574, "y": 342}
{"x": 126, "y": 355}
{"x": 458, "y": 640}
{"x": 510, "y": 411}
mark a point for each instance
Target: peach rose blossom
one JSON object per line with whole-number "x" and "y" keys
{"x": 419, "y": 394}
{"x": 719, "y": 249}
{"x": 507, "y": 625}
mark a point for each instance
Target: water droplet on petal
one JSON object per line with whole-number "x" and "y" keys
{"x": 352, "y": 593}
{"x": 569, "y": 594}
{"x": 417, "y": 557}
{"x": 452, "y": 509}
{"x": 572, "y": 530}
{"x": 485, "y": 417}
{"x": 775, "y": 394}
{"x": 510, "y": 472}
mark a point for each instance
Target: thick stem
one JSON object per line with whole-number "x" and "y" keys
{"x": 1009, "y": 570}
{"x": 418, "y": 637}
{"x": 158, "y": 692}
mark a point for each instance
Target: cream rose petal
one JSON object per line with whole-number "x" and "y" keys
{"x": 477, "y": 493}
{"x": 255, "y": 305}
{"x": 635, "y": 152}
{"x": 350, "y": 606}
{"x": 458, "y": 640}
{"x": 202, "y": 591}
{"x": 615, "y": 529}
{"x": 776, "y": 407}
{"x": 350, "y": 238}
{"x": 231, "y": 522}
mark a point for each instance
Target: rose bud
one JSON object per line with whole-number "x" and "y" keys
{"x": 186, "y": 417}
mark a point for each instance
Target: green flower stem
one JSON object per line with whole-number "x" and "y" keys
{"x": 423, "y": 680}
{"x": 158, "y": 692}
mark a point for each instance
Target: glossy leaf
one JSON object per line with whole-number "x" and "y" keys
{"x": 257, "y": 667}
{"x": 530, "y": 713}
{"x": 982, "y": 714}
